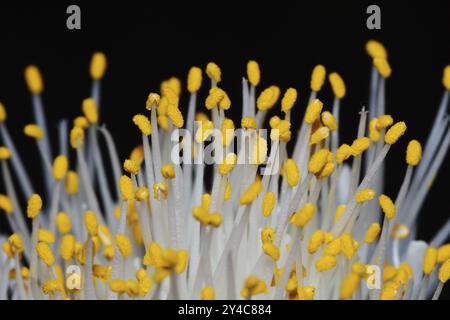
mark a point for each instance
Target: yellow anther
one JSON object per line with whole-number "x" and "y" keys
{"x": 329, "y": 120}
{"x": 360, "y": 145}
{"x": 108, "y": 252}
{"x": 304, "y": 215}
{"x": 124, "y": 245}
{"x": 45, "y": 253}
{"x": 34, "y": 79}
{"x": 228, "y": 164}
{"x": 131, "y": 166}
{"x": 175, "y": 115}
{"x": 206, "y": 201}
{"x": 374, "y": 133}
{"x": 142, "y": 194}
{"x": 259, "y": 153}
{"x": 16, "y": 242}
{"x": 101, "y": 272}
{"x": 271, "y": 250}
{"x": 359, "y": 269}
{"x": 118, "y": 285}
{"x": 400, "y": 231}
{"x": 339, "y": 211}
{"x": 383, "y": 67}
{"x": 51, "y": 286}
{"x": 126, "y": 188}
{"x": 5, "y": 153}
{"x": 248, "y": 122}
{"x": 375, "y": 49}
{"x": 268, "y": 203}
{"x": 204, "y": 131}
{"x": 327, "y": 237}
{"x": 194, "y": 80}
{"x": 349, "y": 286}
{"x": 337, "y": 85}
{"x": 76, "y": 137}
{"x": 316, "y": 240}
{"x": 407, "y": 268}
{"x": 446, "y": 77}
{"x": 67, "y": 247}
{"x": 168, "y": 171}
{"x": 253, "y": 73}
{"x": 429, "y": 260}
{"x": 6, "y": 204}
{"x": 143, "y": 123}
{"x": 153, "y": 100}
{"x": 280, "y": 130}
{"x": 318, "y": 161}
{"x": 372, "y": 233}
{"x": 3, "y": 114}
{"x": 364, "y": 195}
{"x": 251, "y": 193}
{"x": 343, "y": 153}
{"x": 46, "y": 236}
{"x": 268, "y": 98}
{"x": 90, "y": 110}
{"x": 216, "y": 95}
{"x": 132, "y": 288}
{"x": 387, "y": 206}
{"x": 274, "y": 122}
{"x": 389, "y": 272}
{"x": 444, "y": 272}
{"x": 227, "y": 192}
{"x": 227, "y": 132}
{"x": 72, "y": 182}
{"x": 33, "y": 131}
{"x": 137, "y": 154}
{"x": 253, "y": 286}
{"x": 327, "y": 170}
{"x": 34, "y": 206}
{"x": 318, "y": 77}
{"x": 268, "y": 235}
{"x": 207, "y": 293}
{"x": 24, "y": 272}
{"x": 325, "y": 263}
{"x": 384, "y": 121}
{"x": 160, "y": 189}
{"x": 90, "y": 222}
{"x": 319, "y": 135}
{"x": 7, "y": 249}
{"x": 306, "y": 293}
{"x": 292, "y": 172}
{"x": 213, "y": 71}
{"x": 171, "y": 86}
{"x": 289, "y": 98}
{"x": 81, "y": 122}
{"x": 313, "y": 111}
{"x": 347, "y": 246}
{"x": 443, "y": 253}
{"x": 413, "y": 153}
{"x": 60, "y": 166}
{"x": 163, "y": 122}
{"x": 98, "y": 65}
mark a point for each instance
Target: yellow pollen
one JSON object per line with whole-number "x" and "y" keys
{"x": 444, "y": 272}
{"x": 443, "y": 253}
{"x": 45, "y": 253}
{"x": 316, "y": 240}
{"x": 5, "y": 153}
{"x": 98, "y": 65}
{"x": 126, "y": 188}
{"x": 337, "y": 85}
{"x": 153, "y": 100}
{"x": 46, "y": 236}
{"x": 253, "y": 73}
{"x": 306, "y": 293}
{"x": 253, "y": 286}
{"x": 313, "y": 111}
{"x": 292, "y": 172}
{"x": 329, "y": 120}
{"x": 131, "y": 166}
{"x": 268, "y": 235}
{"x": 375, "y": 49}
{"x": 72, "y": 182}
{"x": 6, "y": 204}
{"x": 268, "y": 98}
{"x": 16, "y": 242}
{"x": 383, "y": 67}
{"x": 374, "y": 133}
{"x": 372, "y": 233}
{"x": 60, "y": 166}
{"x": 289, "y": 98}
{"x": 34, "y": 206}
{"x": 429, "y": 260}
{"x": 3, "y": 114}
{"x": 268, "y": 204}
{"x": 325, "y": 263}
{"x": 259, "y": 154}
{"x": 364, "y": 195}
{"x": 90, "y": 110}
{"x": 319, "y": 135}
{"x": 118, "y": 285}
{"x": 76, "y": 137}
{"x": 101, "y": 272}
{"x": 304, "y": 215}
{"x": 339, "y": 211}
{"x": 143, "y": 123}
{"x": 213, "y": 71}
{"x": 343, "y": 153}
{"x": 90, "y": 222}
{"x": 347, "y": 246}
{"x": 384, "y": 121}
{"x": 67, "y": 247}
{"x": 318, "y": 161}
{"x": 176, "y": 116}
{"x": 360, "y": 145}
{"x": 34, "y": 79}
{"x": 349, "y": 286}
{"x": 318, "y": 77}
{"x": 228, "y": 164}
{"x": 227, "y": 132}
{"x": 124, "y": 245}
{"x": 271, "y": 250}
{"x": 446, "y": 77}
{"x": 387, "y": 206}
{"x": 248, "y": 122}
{"x": 204, "y": 131}
{"x": 413, "y": 153}
{"x": 281, "y": 129}
{"x": 207, "y": 293}
{"x": 33, "y": 131}
{"x": 251, "y": 193}
{"x": 81, "y": 122}
{"x": 194, "y": 80}
{"x": 168, "y": 171}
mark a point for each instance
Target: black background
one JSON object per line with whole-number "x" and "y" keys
{"x": 148, "y": 42}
